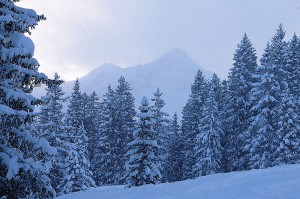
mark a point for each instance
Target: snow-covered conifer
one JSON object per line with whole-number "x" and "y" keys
{"x": 51, "y": 127}
{"x": 175, "y": 152}
{"x": 240, "y": 84}
{"x": 75, "y": 112}
{"x": 266, "y": 98}
{"x": 208, "y": 149}
{"x": 287, "y": 143}
{"x": 161, "y": 128}
{"x": 292, "y": 66}
{"x": 91, "y": 119}
{"x": 124, "y": 124}
{"x": 23, "y": 162}
{"x": 77, "y": 165}
{"x": 105, "y": 157}
{"x": 142, "y": 168}
{"x": 191, "y": 117}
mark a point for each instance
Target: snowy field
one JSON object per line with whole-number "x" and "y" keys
{"x": 279, "y": 182}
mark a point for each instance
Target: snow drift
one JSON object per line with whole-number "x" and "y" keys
{"x": 276, "y": 183}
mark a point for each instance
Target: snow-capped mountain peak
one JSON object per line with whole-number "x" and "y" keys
{"x": 173, "y": 73}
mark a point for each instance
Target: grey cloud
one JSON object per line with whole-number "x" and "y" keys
{"x": 81, "y": 35}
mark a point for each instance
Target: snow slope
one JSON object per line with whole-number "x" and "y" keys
{"x": 173, "y": 72}
{"x": 274, "y": 183}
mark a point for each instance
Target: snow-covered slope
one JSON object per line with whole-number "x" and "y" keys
{"x": 274, "y": 183}
{"x": 173, "y": 72}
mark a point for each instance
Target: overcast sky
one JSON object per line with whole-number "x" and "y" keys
{"x": 80, "y": 35}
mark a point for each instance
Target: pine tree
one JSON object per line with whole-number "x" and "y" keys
{"x": 208, "y": 149}
{"x": 287, "y": 131}
{"x": 161, "y": 128}
{"x": 77, "y": 175}
{"x": 75, "y": 112}
{"x": 225, "y": 119}
{"x": 124, "y": 123}
{"x": 77, "y": 166}
{"x": 191, "y": 117}
{"x": 240, "y": 84}
{"x": 142, "y": 165}
{"x": 91, "y": 119}
{"x": 51, "y": 127}
{"x": 105, "y": 154}
{"x": 267, "y": 97}
{"x": 175, "y": 155}
{"x": 216, "y": 85}
{"x": 287, "y": 144}
{"x": 292, "y": 66}
{"x": 23, "y": 162}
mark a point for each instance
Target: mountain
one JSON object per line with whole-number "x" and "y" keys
{"x": 173, "y": 73}
{"x": 277, "y": 182}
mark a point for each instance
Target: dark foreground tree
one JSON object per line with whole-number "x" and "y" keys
{"x": 23, "y": 172}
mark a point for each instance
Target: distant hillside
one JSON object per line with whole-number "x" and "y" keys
{"x": 173, "y": 73}
{"x": 273, "y": 183}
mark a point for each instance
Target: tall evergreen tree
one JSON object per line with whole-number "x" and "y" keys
{"x": 75, "y": 112}
{"x": 105, "y": 154}
{"x": 161, "y": 128}
{"x": 225, "y": 117}
{"x": 91, "y": 119}
{"x": 240, "y": 84}
{"x": 23, "y": 166}
{"x": 77, "y": 165}
{"x": 142, "y": 165}
{"x": 208, "y": 149}
{"x": 124, "y": 123}
{"x": 267, "y": 97}
{"x": 287, "y": 143}
{"x": 217, "y": 87}
{"x": 292, "y": 66}
{"x": 191, "y": 117}
{"x": 175, "y": 156}
{"x": 51, "y": 127}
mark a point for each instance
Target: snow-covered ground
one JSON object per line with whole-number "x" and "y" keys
{"x": 279, "y": 182}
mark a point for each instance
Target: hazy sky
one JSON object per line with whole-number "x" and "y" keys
{"x": 80, "y": 35}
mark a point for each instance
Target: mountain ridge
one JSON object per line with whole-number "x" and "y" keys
{"x": 173, "y": 73}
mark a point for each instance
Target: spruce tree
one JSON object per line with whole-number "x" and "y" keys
{"x": 287, "y": 131}
{"x": 266, "y": 98}
{"x": 124, "y": 124}
{"x": 208, "y": 149}
{"x": 91, "y": 119}
{"x": 75, "y": 111}
{"x": 225, "y": 119}
{"x": 23, "y": 162}
{"x": 175, "y": 155}
{"x": 216, "y": 85}
{"x": 105, "y": 154}
{"x": 240, "y": 84}
{"x": 142, "y": 168}
{"x": 191, "y": 117}
{"x": 161, "y": 128}
{"x": 292, "y": 66}
{"x": 77, "y": 166}
{"x": 51, "y": 127}
{"x": 287, "y": 144}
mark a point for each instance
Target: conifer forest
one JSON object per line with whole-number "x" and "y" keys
{"x": 57, "y": 144}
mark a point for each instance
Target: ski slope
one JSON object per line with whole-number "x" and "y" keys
{"x": 274, "y": 183}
